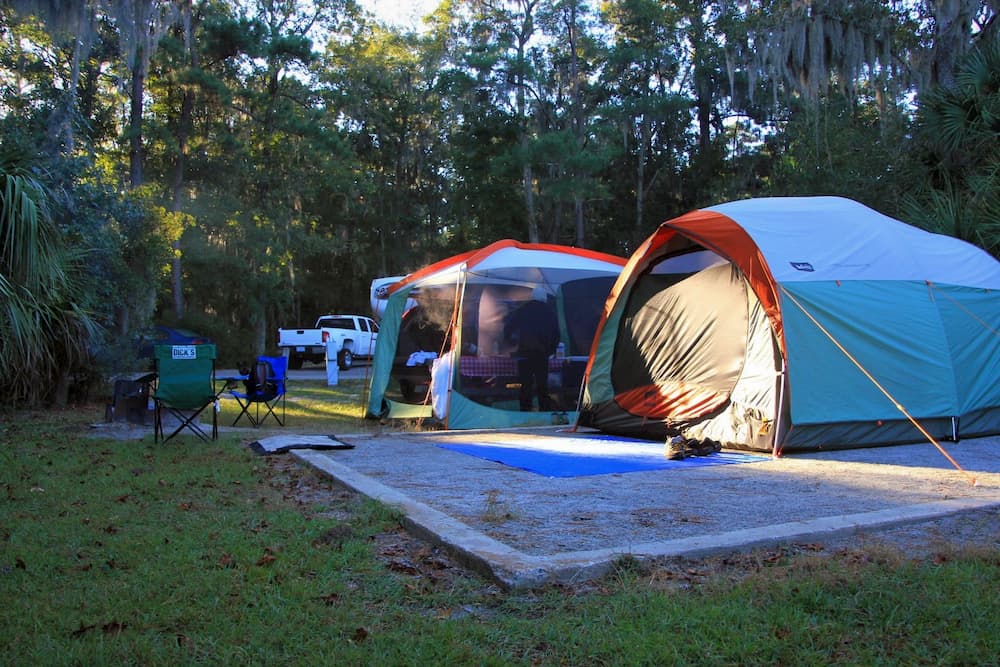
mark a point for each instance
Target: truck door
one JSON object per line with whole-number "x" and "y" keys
{"x": 366, "y": 345}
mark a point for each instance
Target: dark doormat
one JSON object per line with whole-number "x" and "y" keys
{"x": 279, "y": 444}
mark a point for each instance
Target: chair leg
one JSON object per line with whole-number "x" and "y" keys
{"x": 157, "y": 422}
{"x": 244, "y": 411}
{"x": 193, "y": 424}
{"x": 269, "y": 407}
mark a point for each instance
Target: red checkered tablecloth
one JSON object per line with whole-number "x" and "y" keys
{"x": 497, "y": 366}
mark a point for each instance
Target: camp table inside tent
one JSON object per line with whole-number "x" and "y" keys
{"x": 445, "y": 350}
{"x": 799, "y": 323}
{"x": 498, "y": 376}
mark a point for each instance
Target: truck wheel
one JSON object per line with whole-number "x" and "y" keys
{"x": 295, "y": 362}
{"x": 345, "y": 360}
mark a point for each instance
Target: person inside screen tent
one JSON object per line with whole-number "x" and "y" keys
{"x": 533, "y": 331}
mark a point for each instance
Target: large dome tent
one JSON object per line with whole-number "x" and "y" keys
{"x": 780, "y": 324}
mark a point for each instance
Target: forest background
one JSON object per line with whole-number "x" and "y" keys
{"x": 236, "y": 166}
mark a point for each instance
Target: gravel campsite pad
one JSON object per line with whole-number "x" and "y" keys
{"x": 906, "y": 490}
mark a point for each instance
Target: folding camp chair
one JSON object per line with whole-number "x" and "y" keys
{"x": 264, "y": 392}
{"x": 185, "y": 386}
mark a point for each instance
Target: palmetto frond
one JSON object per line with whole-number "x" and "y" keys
{"x": 42, "y": 331}
{"x": 960, "y": 128}
{"x": 27, "y": 241}
{"x": 967, "y": 115}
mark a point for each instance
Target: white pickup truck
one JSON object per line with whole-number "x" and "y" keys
{"x": 352, "y": 336}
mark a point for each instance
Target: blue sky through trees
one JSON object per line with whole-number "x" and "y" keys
{"x": 403, "y": 13}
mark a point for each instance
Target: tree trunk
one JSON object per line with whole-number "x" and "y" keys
{"x": 578, "y": 123}
{"x": 60, "y": 394}
{"x": 952, "y": 28}
{"x": 529, "y": 199}
{"x": 61, "y": 135}
{"x": 703, "y": 86}
{"x": 177, "y": 186}
{"x": 135, "y": 126}
{"x": 581, "y": 241}
{"x": 640, "y": 177}
{"x": 177, "y": 199}
{"x": 527, "y": 177}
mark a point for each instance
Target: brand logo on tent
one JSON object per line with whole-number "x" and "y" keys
{"x": 802, "y": 266}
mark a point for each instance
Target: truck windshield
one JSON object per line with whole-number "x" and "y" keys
{"x": 336, "y": 323}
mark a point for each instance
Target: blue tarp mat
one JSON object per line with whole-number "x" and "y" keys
{"x": 587, "y": 455}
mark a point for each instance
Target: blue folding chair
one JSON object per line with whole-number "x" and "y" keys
{"x": 264, "y": 394}
{"x": 185, "y": 386}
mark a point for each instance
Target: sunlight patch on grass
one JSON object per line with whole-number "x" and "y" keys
{"x": 313, "y": 405}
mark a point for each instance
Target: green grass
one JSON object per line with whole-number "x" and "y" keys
{"x": 126, "y": 552}
{"x": 314, "y": 407}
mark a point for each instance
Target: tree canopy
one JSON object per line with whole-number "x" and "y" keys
{"x": 239, "y": 166}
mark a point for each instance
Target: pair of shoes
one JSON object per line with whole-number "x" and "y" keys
{"x": 701, "y": 448}
{"x": 705, "y": 447}
{"x": 677, "y": 449}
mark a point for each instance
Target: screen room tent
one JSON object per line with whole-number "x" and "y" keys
{"x": 443, "y": 347}
{"x": 799, "y": 323}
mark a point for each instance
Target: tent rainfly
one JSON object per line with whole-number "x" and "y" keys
{"x": 783, "y": 324}
{"x": 445, "y": 346}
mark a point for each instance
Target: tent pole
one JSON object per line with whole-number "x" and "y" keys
{"x": 456, "y": 338}
{"x": 779, "y": 417}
